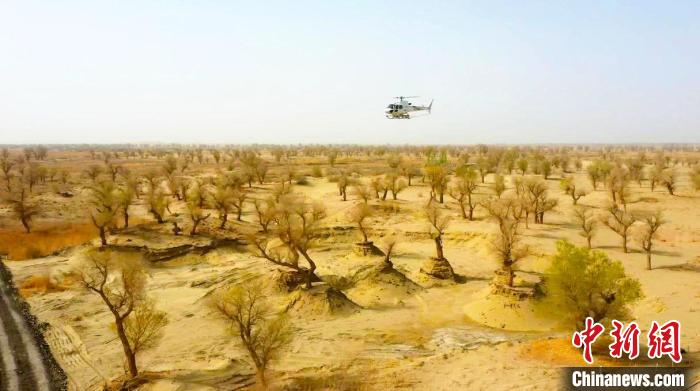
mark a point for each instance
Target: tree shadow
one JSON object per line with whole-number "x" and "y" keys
{"x": 463, "y": 279}
{"x": 667, "y": 253}
{"x": 544, "y": 236}
{"x": 682, "y": 267}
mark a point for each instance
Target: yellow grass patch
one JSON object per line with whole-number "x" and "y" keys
{"x": 45, "y": 241}
{"x": 40, "y": 284}
{"x": 560, "y": 352}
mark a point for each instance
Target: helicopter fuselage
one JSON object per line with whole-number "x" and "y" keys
{"x": 402, "y": 109}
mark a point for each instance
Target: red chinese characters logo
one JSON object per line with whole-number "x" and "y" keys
{"x": 626, "y": 340}
{"x": 586, "y": 338}
{"x": 663, "y": 340}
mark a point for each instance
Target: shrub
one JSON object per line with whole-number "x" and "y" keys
{"x": 317, "y": 172}
{"x": 581, "y": 283}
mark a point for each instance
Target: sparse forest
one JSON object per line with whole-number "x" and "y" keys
{"x": 250, "y": 265}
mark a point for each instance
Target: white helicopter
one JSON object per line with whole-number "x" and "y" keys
{"x": 402, "y": 108}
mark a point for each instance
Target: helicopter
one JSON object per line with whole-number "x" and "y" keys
{"x": 402, "y": 108}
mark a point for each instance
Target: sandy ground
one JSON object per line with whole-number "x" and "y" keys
{"x": 443, "y": 336}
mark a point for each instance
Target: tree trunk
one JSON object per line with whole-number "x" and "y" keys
{"x": 312, "y": 268}
{"x": 508, "y": 268}
{"x": 649, "y": 259}
{"x": 364, "y": 234}
{"x": 126, "y": 218}
{"x": 25, "y": 223}
{"x": 462, "y": 209}
{"x": 224, "y": 219}
{"x": 260, "y": 376}
{"x": 438, "y": 247}
{"x": 624, "y": 243}
{"x": 128, "y": 352}
{"x": 588, "y": 239}
{"x": 103, "y": 236}
{"x": 159, "y": 218}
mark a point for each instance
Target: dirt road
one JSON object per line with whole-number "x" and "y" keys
{"x": 24, "y": 363}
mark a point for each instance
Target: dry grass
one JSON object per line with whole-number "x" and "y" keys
{"x": 560, "y": 352}
{"x": 40, "y": 284}
{"x": 45, "y": 241}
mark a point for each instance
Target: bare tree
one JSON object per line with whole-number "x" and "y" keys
{"x": 120, "y": 283}
{"x": 506, "y": 245}
{"x": 499, "y": 185}
{"x": 358, "y": 214}
{"x": 394, "y": 183}
{"x": 157, "y": 204}
{"x": 31, "y": 175}
{"x": 170, "y": 165}
{"x": 297, "y": 227}
{"x": 344, "y": 181}
{"x": 438, "y": 223}
{"x": 113, "y": 170}
{"x": 656, "y": 174}
{"x": 620, "y": 222}
{"x": 409, "y": 171}
{"x": 222, "y": 200}
{"x": 362, "y": 192}
{"x": 569, "y": 187}
{"x": 536, "y": 194}
{"x": 281, "y": 189}
{"x": 261, "y": 333}
{"x": 176, "y": 186}
{"x": 239, "y": 198}
{"x": 23, "y": 208}
{"x": 522, "y": 165}
{"x": 196, "y": 215}
{"x": 462, "y": 190}
{"x": 438, "y": 178}
{"x": 196, "y": 193}
{"x": 125, "y": 198}
{"x": 379, "y": 186}
{"x": 388, "y": 245}
{"x": 144, "y": 326}
{"x": 93, "y": 172}
{"x": 153, "y": 179}
{"x": 668, "y": 179}
{"x": 265, "y": 212}
{"x": 6, "y": 165}
{"x": 647, "y": 234}
{"x": 105, "y": 203}
{"x": 586, "y": 222}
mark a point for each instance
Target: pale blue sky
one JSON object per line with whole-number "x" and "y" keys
{"x": 323, "y": 71}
